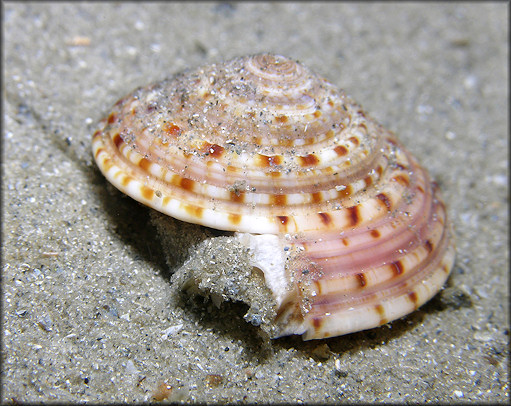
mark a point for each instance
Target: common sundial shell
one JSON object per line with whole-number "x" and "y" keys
{"x": 260, "y": 145}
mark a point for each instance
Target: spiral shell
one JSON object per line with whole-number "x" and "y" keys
{"x": 260, "y": 145}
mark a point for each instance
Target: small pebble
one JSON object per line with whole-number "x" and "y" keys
{"x": 458, "y": 393}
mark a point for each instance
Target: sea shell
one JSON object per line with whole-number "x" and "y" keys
{"x": 348, "y": 229}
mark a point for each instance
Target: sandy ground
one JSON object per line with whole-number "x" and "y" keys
{"x": 88, "y": 308}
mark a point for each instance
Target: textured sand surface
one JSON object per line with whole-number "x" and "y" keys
{"x": 89, "y": 311}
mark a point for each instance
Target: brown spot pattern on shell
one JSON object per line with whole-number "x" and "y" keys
{"x": 261, "y": 145}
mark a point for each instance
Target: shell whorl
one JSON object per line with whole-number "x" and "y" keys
{"x": 262, "y": 145}
{"x": 258, "y": 137}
